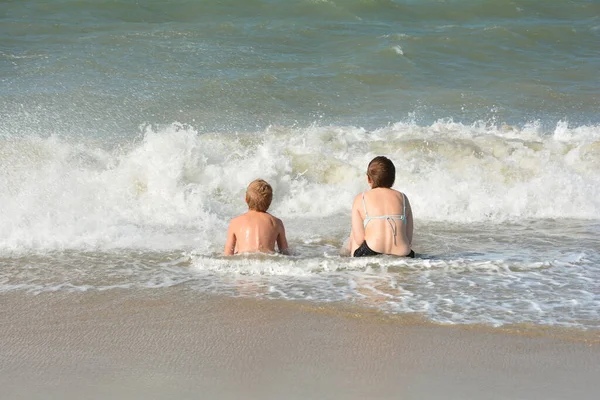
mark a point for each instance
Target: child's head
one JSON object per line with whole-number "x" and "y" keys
{"x": 382, "y": 172}
{"x": 259, "y": 195}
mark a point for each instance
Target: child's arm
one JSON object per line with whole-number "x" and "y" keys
{"x": 282, "y": 243}
{"x": 230, "y": 242}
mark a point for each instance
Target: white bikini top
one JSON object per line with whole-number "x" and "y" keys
{"x": 389, "y": 218}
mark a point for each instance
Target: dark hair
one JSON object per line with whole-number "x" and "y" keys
{"x": 382, "y": 172}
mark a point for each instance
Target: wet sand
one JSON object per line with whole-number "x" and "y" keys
{"x": 176, "y": 344}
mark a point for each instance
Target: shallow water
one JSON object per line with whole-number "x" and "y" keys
{"x": 129, "y": 131}
{"x": 466, "y": 274}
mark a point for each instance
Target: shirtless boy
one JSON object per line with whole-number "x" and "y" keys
{"x": 256, "y": 230}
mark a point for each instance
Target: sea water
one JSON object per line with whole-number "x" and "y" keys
{"x": 129, "y": 131}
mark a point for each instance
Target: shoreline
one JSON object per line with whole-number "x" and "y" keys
{"x": 177, "y": 344}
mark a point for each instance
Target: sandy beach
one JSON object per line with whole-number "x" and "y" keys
{"x": 175, "y": 344}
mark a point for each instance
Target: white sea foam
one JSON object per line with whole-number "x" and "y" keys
{"x": 178, "y": 188}
{"x": 495, "y": 208}
{"x": 452, "y": 291}
{"x": 398, "y": 50}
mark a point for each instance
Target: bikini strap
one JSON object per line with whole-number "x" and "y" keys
{"x": 390, "y": 221}
{"x": 365, "y": 205}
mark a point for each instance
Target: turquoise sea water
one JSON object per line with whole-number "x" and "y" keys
{"x": 130, "y": 129}
{"x": 231, "y": 65}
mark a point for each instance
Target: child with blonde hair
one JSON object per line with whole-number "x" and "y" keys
{"x": 256, "y": 230}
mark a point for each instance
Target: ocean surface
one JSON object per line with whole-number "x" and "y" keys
{"x": 129, "y": 131}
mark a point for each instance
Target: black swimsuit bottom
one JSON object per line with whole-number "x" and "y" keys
{"x": 365, "y": 251}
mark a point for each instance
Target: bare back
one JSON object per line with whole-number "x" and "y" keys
{"x": 383, "y": 218}
{"x": 255, "y": 231}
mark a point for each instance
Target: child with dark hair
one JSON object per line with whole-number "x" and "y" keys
{"x": 382, "y": 221}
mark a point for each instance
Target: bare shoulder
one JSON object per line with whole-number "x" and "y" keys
{"x": 399, "y": 193}
{"x": 237, "y": 221}
{"x": 403, "y": 198}
{"x": 357, "y": 199}
{"x": 276, "y": 221}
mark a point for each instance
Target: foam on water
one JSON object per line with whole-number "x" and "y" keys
{"x": 453, "y": 291}
{"x": 506, "y": 211}
{"x": 176, "y": 188}
{"x": 506, "y": 217}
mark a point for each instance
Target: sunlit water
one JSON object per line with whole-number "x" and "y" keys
{"x": 129, "y": 131}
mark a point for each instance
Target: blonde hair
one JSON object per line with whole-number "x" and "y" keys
{"x": 259, "y": 195}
